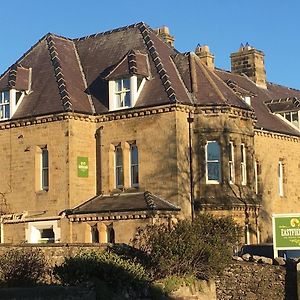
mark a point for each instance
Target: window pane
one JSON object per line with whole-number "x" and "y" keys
{"x": 119, "y": 166}
{"x": 213, "y": 151}
{"x": 118, "y": 85}
{"x": 118, "y": 100}
{"x": 242, "y": 153}
{"x": 47, "y": 233}
{"x": 119, "y": 176}
{"x": 295, "y": 118}
{"x": 134, "y": 165}
{"x": 126, "y": 84}
{"x": 134, "y": 175}
{"x": 134, "y": 155}
{"x": 230, "y": 150}
{"x": 127, "y": 99}
{"x": 95, "y": 234}
{"x": 45, "y": 179}
{"x": 119, "y": 157}
{"x": 213, "y": 171}
{"x": 6, "y": 111}
{"x": 45, "y": 158}
{"x": 288, "y": 116}
{"x": 6, "y": 96}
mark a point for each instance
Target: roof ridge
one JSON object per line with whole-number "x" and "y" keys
{"x": 59, "y": 76}
{"x": 208, "y": 77}
{"x": 84, "y": 79}
{"x": 280, "y": 85}
{"x": 110, "y": 31}
{"x": 158, "y": 63}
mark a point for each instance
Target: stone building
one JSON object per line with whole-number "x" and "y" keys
{"x": 103, "y": 134}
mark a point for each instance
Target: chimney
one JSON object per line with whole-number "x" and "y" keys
{"x": 250, "y": 61}
{"x": 205, "y": 56}
{"x": 164, "y": 33}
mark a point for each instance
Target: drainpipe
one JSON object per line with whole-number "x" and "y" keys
{"x": 98, "y": 137}
{"x": 190, "y": 120}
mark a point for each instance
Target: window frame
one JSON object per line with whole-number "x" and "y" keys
{"x": 231, "y": 164}
{"x": 134, "y": 165}
{"x": 213, "y": 161}
{"x": 243, "y": 165}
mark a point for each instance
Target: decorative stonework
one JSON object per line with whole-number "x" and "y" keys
{"x": 158, "y": 63}
{"x": 59, "y": 75}
{"x": 275, "y": 135}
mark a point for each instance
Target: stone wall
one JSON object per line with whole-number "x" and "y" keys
{"x": 55, "y": 253}
{"x": 244, "y": 280}
{"x": 286, "y": 150}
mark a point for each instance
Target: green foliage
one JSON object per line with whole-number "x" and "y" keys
{"x": 112, "y": 270}
{"x": 22, "y": 267}
{"x": 201, "y": 248}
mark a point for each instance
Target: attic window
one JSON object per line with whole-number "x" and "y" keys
{"x": 9, "y": 102}
{"x": 4, "y": 105}
{"x": 292, "y": 118}
{"x": 124, "y": 92}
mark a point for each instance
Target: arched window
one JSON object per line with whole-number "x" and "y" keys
{"x": 213, "y": 166}
{"x": 134, "y": 165}
{"x": 95, "y": 234}
{"x": 110, "y": 235}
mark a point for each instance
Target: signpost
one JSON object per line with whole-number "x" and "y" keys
{"x": 286, "y": 232}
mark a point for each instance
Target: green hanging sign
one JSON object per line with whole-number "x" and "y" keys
{"x": 82, "y": 166}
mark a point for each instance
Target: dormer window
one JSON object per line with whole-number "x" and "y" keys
{"x": 4, "y": 105}
{"x": 124, "y": 92}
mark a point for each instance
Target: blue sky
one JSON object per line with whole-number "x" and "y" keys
{"x": 269, "y": 25}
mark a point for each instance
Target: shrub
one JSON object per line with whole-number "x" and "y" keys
{"x": 22, "y": 267}
{"x": 201, "y": 248}
{"x": 92, "y": 266}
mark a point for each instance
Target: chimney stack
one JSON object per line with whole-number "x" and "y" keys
{"x": 249, "y": 61}
{"x": 164, "y": 33}
{"x": 205, "y": 56}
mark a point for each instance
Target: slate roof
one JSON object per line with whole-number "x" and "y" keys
{"x": 124, "y": 202}
{"x": 72, "y": 75}
{"x": 266, "y": 120}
